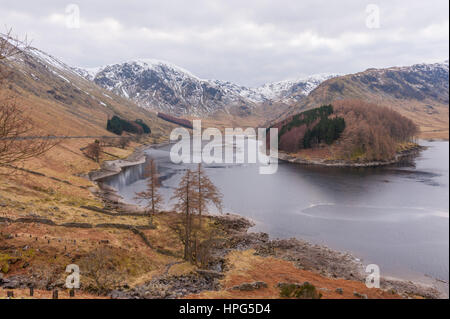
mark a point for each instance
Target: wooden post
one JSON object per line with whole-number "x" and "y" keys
{"x": 31, "y": 291}
{"x": 72, "y": 293}
{"x": 55, "y": 294}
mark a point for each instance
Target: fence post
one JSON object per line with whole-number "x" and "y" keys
{"x": 55, "y": 294}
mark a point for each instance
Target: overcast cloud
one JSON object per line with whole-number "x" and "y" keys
{"x": 248, "y": 42}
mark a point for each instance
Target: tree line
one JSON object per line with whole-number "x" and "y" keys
{"x": 327, "y": 130}
{"x": 306, "y": 118}
{"x": 311, "y": 128}
{"x": 365, "y": 131}
{"x": 372, "y": 132}
{"x": 175, "y": 120}
{"x": 118, "y": 125}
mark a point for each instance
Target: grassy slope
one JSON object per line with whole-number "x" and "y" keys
{"x": 247, "y": 268}
{"x": 78, "y": 108}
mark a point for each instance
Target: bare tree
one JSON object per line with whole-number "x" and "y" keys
{"x": 47, "y": 275}
{"x": 186, "y": 203}
{"x": 105, "y": 142}
{"x": 103, "y": 269}
{"x": 151, "y": 195}
{"x": 207, "y": 193}
{"x": 93, "y": 151}
{"x": 18, "y": 133}
{"x": 194, "y": 194}
{"x": 123, "y": 142}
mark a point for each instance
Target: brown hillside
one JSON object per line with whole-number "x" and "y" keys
{"x": 61, "y": 102}
{"x": 420, "y": 92}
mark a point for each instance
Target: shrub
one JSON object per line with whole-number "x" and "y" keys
{"x": 123, "y": 142}
{"x": 93, "y": 151}
{"x": 4, "y": 263}
{"x": 103, "y": 270}
{"x": 304, "y": 291}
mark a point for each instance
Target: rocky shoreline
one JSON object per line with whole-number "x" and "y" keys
{"x": 304, "y": 255}
{"x": 341, "y": 163}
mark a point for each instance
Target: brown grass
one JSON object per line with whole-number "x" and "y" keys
{"x": 245, "y": 267}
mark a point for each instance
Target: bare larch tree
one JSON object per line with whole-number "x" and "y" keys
{"x": 207, "y": 193}
{"x": 193, "y": 195}
{"x": 186, "y": 203}
{"x": 151, "y": 195}
{"x": 16, "y": 128}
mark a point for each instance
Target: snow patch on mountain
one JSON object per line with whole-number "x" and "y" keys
{"x": 160, "y": 85}
{"x": 283, "y": 90}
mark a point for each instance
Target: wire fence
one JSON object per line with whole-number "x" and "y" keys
{"x": 51, "y": 137}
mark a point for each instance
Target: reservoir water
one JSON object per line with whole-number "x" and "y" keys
{"x": 396, "y": 216}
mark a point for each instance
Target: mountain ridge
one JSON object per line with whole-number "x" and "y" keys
{"x": 419, "y": 92}
{"x": 163, "y": 86}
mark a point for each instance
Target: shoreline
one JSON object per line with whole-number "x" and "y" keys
{"x": 114, "y": 167}
{"x": 320, "y": 258}
{"x": 285, "y": 157}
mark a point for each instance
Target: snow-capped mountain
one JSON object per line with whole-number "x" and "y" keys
{"x": 288, "y": 91}
{"x": 165, "y": 87}
{"x": 162, "y": 86}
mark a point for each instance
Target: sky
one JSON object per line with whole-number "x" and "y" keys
{"x": 248, "y": 42}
